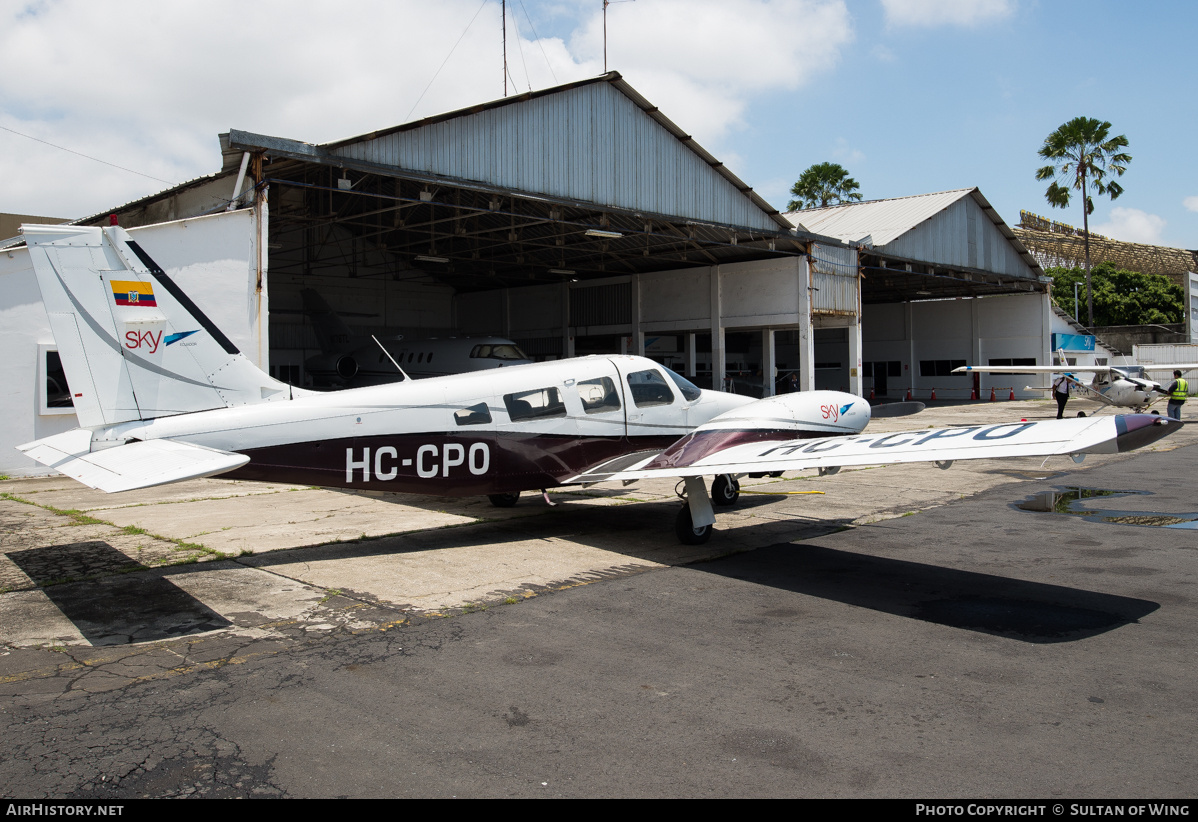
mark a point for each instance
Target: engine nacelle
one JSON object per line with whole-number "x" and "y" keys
{"x": 819, "y": 413}
{"x": 347, "y": 367}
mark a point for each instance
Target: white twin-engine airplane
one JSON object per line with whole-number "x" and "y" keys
{"x": 1119, "y": 386}
{"x": 162, "y": 396}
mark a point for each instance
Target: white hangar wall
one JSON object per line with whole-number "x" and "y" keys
{"x": 955, "y": 332}
{"x": 765, "y": 296}
{"x": 214, "y": 259}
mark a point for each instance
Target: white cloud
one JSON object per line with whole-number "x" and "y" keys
{"x": 1191, "y": 203}
{"x": 148, "y": 85}
{"x": 929, "y": 13}
{"x": 845, "y": 154}
{"x": 702, "y": 61}
{"x": 1132, "y": 225}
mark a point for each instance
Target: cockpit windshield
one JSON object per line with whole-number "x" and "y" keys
{"x": 501, "y": 351}
{"x": 690, "y": 391}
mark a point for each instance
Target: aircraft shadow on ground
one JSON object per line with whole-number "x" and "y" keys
{"x": 120, "y": 606}
{"x": 986, "y": 603}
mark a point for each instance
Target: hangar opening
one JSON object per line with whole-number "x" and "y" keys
{"x": 573, "y": 220}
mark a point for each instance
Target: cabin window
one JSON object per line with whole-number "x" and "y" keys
{"x": 430, "y": 356}
{"x": 541, "y": 403}
{"x": 598, "y": 395}
{"x": 411, "y": 357}
{"x": 649, "y": 388}
{"x": 54, "y": 393}
{"x": 474, "y": 415}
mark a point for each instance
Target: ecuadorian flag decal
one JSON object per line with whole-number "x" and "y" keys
{"x": 131, "y": 292}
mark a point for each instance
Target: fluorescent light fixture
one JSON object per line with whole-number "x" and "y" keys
{"x": 596, "y": 232}
{"x": 565, "y": 271}
{"x": 426, "y": 259}
{"x": 924, "y": 293}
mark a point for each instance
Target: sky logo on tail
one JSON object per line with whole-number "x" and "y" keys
{"x": 133, "y": 293}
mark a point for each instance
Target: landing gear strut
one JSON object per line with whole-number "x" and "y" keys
{"x": 693, "y": 524}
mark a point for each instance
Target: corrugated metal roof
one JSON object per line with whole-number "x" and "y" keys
{"x": 882, "y": 221}
{"x": 596, "y": 141}
{"x": 942, "y": 228}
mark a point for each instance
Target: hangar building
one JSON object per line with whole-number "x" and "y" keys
{"x": 574, "y": 220}
{"x": 945, "y": 283}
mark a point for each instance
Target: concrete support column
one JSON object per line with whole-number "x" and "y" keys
{"x": 1046, "y": 327}
{"x": 567, "y": 334}
{"x": 912, "y": 365}
{"x": 975, "y": 325}
{"x": 690, "y": 354}
{"x": 717, "y": 331}
{"x": 855, "y": 384}
{"x": 769, "y": 368}
{"x": 638, "y": 334}
{"x": 806, "y": 332}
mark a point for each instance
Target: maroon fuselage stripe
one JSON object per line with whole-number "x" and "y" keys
{"x": 514, "y": 462}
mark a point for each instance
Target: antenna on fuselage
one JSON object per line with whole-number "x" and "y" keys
{"x": 388, "y": 353}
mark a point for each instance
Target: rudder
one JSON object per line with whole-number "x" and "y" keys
{"x": 132, "y": 344}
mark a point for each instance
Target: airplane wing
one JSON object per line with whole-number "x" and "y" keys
{"x": 718, "y": 450}
{"x": 1034, "y": 369}
{"x": 1183, "y": 367}
{"x": 142, "y": 464}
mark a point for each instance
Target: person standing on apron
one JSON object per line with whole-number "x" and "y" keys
{"x": 1060, "y": 390}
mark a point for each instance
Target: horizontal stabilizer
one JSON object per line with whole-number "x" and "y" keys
{"x": 134, "y": 465}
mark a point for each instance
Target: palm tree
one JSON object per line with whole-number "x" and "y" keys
{"x": 821, "y": 185}
{"x": 1082, "y": 155}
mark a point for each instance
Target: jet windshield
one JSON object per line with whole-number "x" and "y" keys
{"x": 501, "y": 351}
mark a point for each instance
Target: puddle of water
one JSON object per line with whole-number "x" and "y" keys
{"x": 1070, "y": 501}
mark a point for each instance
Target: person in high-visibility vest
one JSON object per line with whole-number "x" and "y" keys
{"x": 1177, "y": 395}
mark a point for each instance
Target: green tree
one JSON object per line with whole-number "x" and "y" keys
{"x": 822, "y": 185}
{"x": 1122, "y": 297}
{"x": 1082, "y": 154}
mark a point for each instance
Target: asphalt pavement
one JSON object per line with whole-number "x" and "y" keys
{"x": 907, "y": 632}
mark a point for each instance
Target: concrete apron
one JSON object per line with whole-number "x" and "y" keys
{"x": 79, "y": 567}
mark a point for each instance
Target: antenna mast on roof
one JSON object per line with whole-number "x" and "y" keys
{"x": 503, "y": 11}
{"x": 607, "y": 3}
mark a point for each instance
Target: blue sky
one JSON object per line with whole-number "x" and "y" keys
{"x": 912, "y": 96}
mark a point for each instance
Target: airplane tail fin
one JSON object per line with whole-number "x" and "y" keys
{"x": 132, "y": 344}
{"x": 331, "y": 331}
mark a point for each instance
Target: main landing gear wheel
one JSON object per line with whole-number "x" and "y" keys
{"x": 1081, "y": 413}
{"x": 504, "y": 500}
{"x": 724, "y": 491}
{"x": 685, "y": 529}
